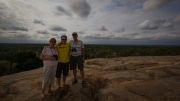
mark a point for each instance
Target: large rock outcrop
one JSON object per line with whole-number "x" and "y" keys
{"x": 148, "y": 78}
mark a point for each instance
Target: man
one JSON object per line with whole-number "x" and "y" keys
{"x": 77, "y": 58}
{"x": 63, "y": 60}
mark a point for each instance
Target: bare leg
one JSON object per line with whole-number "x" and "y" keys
{"x": 75, "y": 78}
{"x": 58, "y": 82}
{"x": 49, "y": 90}
{"x": 82, "y": 74}
{"x": 64, "y": 80}
{"x": 75, "y": 73}
{"x": 43, "y": 94}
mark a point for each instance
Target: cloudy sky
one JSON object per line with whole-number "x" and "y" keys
{"x": 139, "y": 22}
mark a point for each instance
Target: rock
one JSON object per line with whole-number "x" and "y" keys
{"x": 148, "y": 78}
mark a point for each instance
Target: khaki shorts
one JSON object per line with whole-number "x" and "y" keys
{"x": 76, "y": 61}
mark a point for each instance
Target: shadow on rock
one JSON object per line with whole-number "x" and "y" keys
{"x": 77, "y": 92}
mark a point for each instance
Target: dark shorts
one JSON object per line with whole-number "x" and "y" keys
{"x": 76, "y": 61}
{"x": 62, "y": 68}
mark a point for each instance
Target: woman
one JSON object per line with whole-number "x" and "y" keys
{"x": 49, "y": 56}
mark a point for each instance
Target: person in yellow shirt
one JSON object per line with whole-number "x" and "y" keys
{"x": 63, "y": 60}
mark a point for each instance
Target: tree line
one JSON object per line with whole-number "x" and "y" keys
{"x": 19, "y": 57}
{"x": 22, "y": 57}
{"x": 114, "y": 51}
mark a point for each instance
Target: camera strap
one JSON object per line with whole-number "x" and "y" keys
{"x": 52, "y": 52}
{"x": 74, "y": 44}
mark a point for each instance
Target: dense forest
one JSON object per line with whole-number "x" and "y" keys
{"x": 22, "y": 57}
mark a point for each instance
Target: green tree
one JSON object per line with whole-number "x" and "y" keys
{"x": 2, "y": 70}
{"x": 27, "y": 61}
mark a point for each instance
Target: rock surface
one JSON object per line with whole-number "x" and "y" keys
{"x": 148, "y": 78}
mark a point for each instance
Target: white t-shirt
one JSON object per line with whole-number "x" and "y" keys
{"x": 47, "y": 52}
{"x": 78, "y": 45}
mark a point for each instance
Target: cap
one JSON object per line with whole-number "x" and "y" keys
{"x": 74, "y": 33}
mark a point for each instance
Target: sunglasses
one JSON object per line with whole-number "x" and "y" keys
{"x": 53, "y": 42}
{"x": 74, "y": 34}
{"x": 63, "y": 39}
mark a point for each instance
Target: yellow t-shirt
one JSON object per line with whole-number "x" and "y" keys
{"x": 63, "y": 52}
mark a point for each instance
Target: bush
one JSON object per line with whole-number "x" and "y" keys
{"x": 2, "y": 69}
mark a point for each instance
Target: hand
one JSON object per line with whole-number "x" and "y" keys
{"x": 52, "y": 58}
{"x": 60, "y": 43}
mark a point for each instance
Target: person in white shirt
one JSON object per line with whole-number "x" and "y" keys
{"x": 50, "y": 60}
{"x": 77, "y": 58}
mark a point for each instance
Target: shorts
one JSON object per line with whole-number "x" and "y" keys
{"x": 62, "y": 68}
{"x": 76, "y": 61}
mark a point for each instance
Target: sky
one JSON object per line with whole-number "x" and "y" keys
{"x": 133, "y": 22}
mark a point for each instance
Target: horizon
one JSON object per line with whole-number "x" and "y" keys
{"x": 106, "y": 44}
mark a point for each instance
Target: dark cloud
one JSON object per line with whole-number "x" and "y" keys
{"x": 8, "y": 22}
{"x": 102, "y": 28}
{"x": 81, "y": 8}
{"x": 14, "y": 28}
{"x": 54, "y": 34}
{"x": 134, "y": 34}
{"x": 13, "y": 32}
{"x": 3, "y": 9}
{"x": 95, "y": 37}
{"x": 61, "y": 11}
{"x": 35, "y": 21}
{"x": 176, "y": 33}
{"x": 7, "y": 19}
{"x": 146, "y": 31}
{"x": 120, "y": 30}
{"x": 57, "y": 28}
{"x": 130, "y": 35}
{"x": 159, "y": 21}
{"x": 167, "y": 25}
{"x": 6, "y": 16}
{"x": 148, "y": 25}
{"x": 177, "y": 19}
{"x": 42, "y": 32}
{"x": 101, "y": 36}
{"x": 5, "y": 28}
{"x": 80, "y": 32}
{"x": 19, "y": 28}
{"x": 155, "y": 4}
{"x": 1, "y": 33}
{"x": 155, "y": 24}
{"x": 20, "y": 36}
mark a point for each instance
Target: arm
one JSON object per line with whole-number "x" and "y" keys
{"x": 59, "y": 43}
{"x": 69, "y": 49}
{"x": 43, "y": 57}
{"x": 56, "y": 46}
{"x": 82, "y": 51}
{"x": 46, "y": 47}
